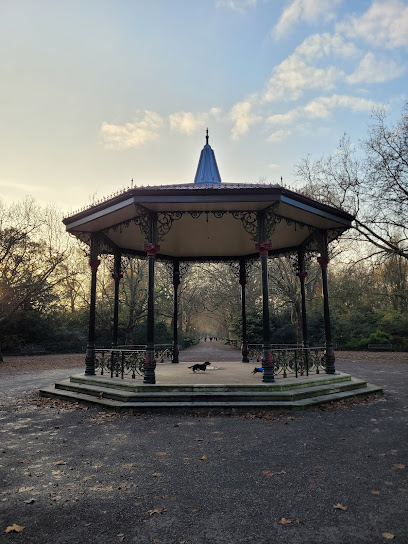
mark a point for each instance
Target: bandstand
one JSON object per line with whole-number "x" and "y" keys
{"x": 208, "y": 220}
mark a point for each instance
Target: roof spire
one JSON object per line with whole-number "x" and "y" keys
{"x": 207, "y": 170}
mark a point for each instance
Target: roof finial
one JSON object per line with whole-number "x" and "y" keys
{"x": 206, "y": 137}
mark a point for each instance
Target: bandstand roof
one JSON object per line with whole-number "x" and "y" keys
{"x": 207, "y": 220}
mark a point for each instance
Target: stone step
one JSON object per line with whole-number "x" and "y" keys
{"x": 209, "y": 394}
{"x": 279, "y": 385}
{"x": 207, "y": 404}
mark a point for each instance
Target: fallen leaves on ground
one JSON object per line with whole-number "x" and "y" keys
{"x": 14, "y": 528}
{"x": 157, "y": 474}
{"x": 388, "y": 536}
{"x": 285, "y": 521}
{"x": 339, "y": 506}
{"x": 374, "y": 492}
{"x": 204, "y": 458}
{"x": 59, "y": 463}
{"x": 161, "y": 453}
{"x": 156, "y": 511}
{"x": 398, "y": 465}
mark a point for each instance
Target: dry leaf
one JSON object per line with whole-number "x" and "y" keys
{"x": 388, "y": 536}
{"x": 25, "y": 489}
{"x": 59, "y": 463}
{"x": 339, "y": 506}
{"x": 204, "y": 458}
{"x": 398, "y": 465}
{"x": 394, "y": 452}
{"x": 14, "y": 528}
{"x": 29, "y": 501}
{"x": 157, "y": 474}
{"x": 267, "y": 473}
{"x": 161, "y": 453}
{"x": 156, "y": 511}
{"x": 285, "y": 521}
{"x": 374, "y": 492}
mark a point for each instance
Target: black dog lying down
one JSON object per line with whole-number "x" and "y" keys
{"x": 199, "y": 366}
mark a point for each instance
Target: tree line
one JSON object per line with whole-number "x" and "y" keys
{"x": 44, "y": 275}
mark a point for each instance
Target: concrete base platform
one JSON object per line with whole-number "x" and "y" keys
{"x": 227, "y": 387}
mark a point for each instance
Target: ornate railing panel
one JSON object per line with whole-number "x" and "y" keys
{"x": 120, "y": 362}
{"x": 128, "y": 360}
{"x": 291, "y": 360}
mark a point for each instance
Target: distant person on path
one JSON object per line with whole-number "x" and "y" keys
{"x": 210, "y": 338}
{"x": 205, "y": 339}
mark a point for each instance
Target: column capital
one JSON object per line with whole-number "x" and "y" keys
{"x": 263, "y": 247}
{"x": 176, "y": 282}
{"x": 117, "y": 276}
{"x": 323, "y": 261}
{"x": 301, "y": 275}
{"x": 94, "y": 263}
{"x": 151, "y": 249}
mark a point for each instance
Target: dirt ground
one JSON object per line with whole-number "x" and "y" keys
{"x": 74, "y": 360}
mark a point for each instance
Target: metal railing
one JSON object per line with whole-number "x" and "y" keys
{"x": 291, "y": 359}
{"x": 128, "y": 360}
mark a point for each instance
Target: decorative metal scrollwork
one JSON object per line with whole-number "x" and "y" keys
{"x": 165, "y": 221}
{"x": 249, "y": 222}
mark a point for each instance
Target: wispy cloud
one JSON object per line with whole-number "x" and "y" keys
{"x": 236, "y": 5}
{"x": 309, "y": 11}
{"x": 132, "y": 135}
{"x": 293, "y": 76}
{"x": 185, "y": 122}
{"x": 384, "y": 24}
{"x": 321, "y": 108}
{"x": 279, "y": 135}
{"x": 318, "y": 46}
{"x": 375, "y": 70}
{"x": 243, "y": 118}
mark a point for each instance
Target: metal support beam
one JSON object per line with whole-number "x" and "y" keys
{"x": 117, "y": 276}
{"x": 242, "y": 281}
{"x": 94, "y": 262}
{"x": 263, "y": 247}
{"x": 176, "y": 283}
{"x": 323, "y": 260}
{"x": 151, "y": 249}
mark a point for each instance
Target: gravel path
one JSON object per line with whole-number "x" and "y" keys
{"x": 70, "y": 474}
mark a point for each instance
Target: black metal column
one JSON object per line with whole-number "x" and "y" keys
{"x": 176, "y": 283}
{"x": 242, "y": 281}
{"x": 117, "y": 276}
{"x": 94, "y": 262}
{"x": 302, "y": 275}
{"x": 263, "y": 247}
{"x": 323, "y": 260}
{"x": 151, "y": 249}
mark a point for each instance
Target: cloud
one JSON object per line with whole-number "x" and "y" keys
{"x": 374, "y": 70}
{"x": 293, "y": 76}
{"x": 320, "y": 108}
{"x": 384, "y": 24}
{"x": 132, "y": 135}
{"x": 318, "y": 46}
{"x": 279, "y": 136}
{"x": 310, "y": 11}
{"x": 236, "y": 5}
{"x": 185, "y": 122}
{"x": 242, "y": 116}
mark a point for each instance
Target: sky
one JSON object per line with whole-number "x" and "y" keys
{"x": 96, "y": 93}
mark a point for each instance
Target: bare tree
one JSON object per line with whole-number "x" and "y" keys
{"x": 371, "y": 182}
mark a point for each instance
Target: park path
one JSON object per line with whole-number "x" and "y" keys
{"x": 214, "y": 352}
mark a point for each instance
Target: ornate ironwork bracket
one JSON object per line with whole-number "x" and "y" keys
{"x": 249, "y": 222}
{"x": 165, "y": 222}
